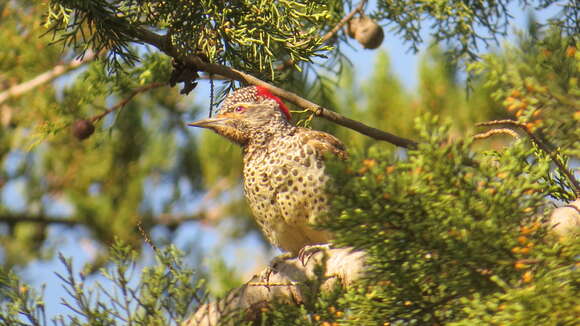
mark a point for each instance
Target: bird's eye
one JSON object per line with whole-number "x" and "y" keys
{"x": 239, "y": 109}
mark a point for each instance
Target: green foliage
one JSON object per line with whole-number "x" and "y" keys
{"x": 383, "y": 100}
{"x": 249, "y": 35}
{"x": 467, "y": 25}
{"x": 258, "y": 36}
{"x": 162, "y": 294}
{"x": 324, "y": 308}
{"x": 223, "y": 278}
{"x": 452, "y": 229}
{"x": 447, "y": 228}
{"x": 537, "y": 81}
{"x": 550, "y": 298}
{"x": 105, "y": 181}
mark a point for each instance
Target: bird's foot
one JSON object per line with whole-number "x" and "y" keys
{"x": 308, "y": 251}
{"x": 273, "y": 264}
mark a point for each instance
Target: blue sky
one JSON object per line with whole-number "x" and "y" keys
{"x": 73, "y": 243}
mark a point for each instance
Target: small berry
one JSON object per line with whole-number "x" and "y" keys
{"x": 525, "y": 251}
{"x": 83, "y": 129}
{"x": 528, "y": 277}
{"x": 519, "y": 265}
{"x": 366, "y": 31}
{"x": 369, "y": 163}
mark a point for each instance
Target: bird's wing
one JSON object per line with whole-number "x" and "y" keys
{"x": 323, "y": 143}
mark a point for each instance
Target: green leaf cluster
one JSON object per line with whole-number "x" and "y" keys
{"x": 537, "y": 81}
{"x": 162, "y": 294}
{"x": 105, "y": 181}
{"x": 253, "y": 36}
{"x": 449, "y": 233}
{"x": 466, "y": 25}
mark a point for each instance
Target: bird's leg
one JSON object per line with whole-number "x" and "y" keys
{"x": 308, "y": 251}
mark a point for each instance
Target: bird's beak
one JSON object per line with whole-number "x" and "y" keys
{"x": 209, "y": 123}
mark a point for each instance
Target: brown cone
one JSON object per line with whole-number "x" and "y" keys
{"x": 82, "y": 129}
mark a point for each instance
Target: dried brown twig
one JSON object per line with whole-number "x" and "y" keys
{"x": 499, "y": 131}
{"x": 163, "y": 43}
{"x": 126, "y": 100}
{"x": 553, "y": 155}
{"x": 50, "y": 75}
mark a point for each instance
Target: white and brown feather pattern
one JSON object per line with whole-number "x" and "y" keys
{"x": 284, "y": 167}
{"x": 285, "y": 186}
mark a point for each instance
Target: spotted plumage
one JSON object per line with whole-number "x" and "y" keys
{"x": 283, "y": 166}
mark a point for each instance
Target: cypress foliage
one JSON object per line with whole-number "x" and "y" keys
{"x": 454, "y": 231}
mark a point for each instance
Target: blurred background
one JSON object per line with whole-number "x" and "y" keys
{"x": 60, "y": 194}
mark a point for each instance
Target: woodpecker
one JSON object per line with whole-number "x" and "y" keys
{"x": 283, "y": 166}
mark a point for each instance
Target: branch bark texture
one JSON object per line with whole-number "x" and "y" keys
{"x": 163, "y": 44}
{"x": 291, "y": 282}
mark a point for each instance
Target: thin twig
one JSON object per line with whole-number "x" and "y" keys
{"x": 126, "y": 100}
{"x": 561, "y": 166}
{"x": 149, "y": 241}
{"x": 154, "y": 247}
{"x": 166, "y": 220}
{"x": 45, "y": 77}
{"x": 344, "y": 20}
{"x": 163, "y": 44}
{"x": 267, "y": 284}
{"x": 499, "y": 131}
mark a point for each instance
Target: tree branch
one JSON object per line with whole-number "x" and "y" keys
{"x": 13, "y": 219}
{"x": 162, "y": 43}
{"x": 291, "y": 281}
{"x": 126, "y": 100}
{"x": 170, "y": 221}
{"x": 561, "y": 166}
{"x": 344, "y": 20}
{"x": 45, "y": 77}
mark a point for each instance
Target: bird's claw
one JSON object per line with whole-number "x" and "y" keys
{"x": 272, "y": 266}
{"x": 308, "y": 251}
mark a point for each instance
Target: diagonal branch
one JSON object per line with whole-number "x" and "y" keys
{"x": 292, "y": 281}
{"x": 45, "y": 77}
{"x": 553, "y": 155}
{"x": 126, "y": 100}
{"x": 162, "y": 43}
{"x": 344, "y": 20}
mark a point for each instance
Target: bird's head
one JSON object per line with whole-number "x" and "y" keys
{"x": 246, "y": 113}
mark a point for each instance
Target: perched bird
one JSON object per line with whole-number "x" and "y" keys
{"x": 283, "y": 166}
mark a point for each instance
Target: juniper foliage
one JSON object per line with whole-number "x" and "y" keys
{"x": 453, "y": 229}
{"x": 162, "y": 294}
